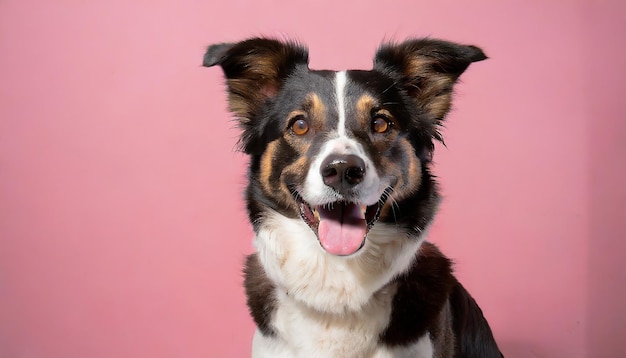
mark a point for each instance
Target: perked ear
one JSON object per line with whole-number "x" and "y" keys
{"x": 427, "y": 69}
{"x": 255, "y": 70}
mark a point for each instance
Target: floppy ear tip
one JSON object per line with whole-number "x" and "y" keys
{"x": 475, "y": 53}
{"x": 215, "y": 54}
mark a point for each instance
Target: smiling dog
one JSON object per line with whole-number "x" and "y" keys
{"x": 340, "y": 195}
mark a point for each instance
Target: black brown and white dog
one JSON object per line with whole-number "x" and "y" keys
{"x": 340, "y": 196}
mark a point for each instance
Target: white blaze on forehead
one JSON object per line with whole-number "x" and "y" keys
{"x": 340, "y": 94}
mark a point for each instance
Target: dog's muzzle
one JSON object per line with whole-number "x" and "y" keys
{"x": 341, "y": 226}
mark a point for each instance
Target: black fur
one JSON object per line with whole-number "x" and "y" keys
{"x": 255, "y": 70}
{"x": 260, "y": 294}
{"x": 474, "y": 337}
{"x": 421, "y": 295}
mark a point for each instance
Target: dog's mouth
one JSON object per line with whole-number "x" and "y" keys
{"x": 341, "y": 227}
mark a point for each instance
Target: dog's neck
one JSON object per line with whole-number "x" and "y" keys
{"x": 327, "y": 283}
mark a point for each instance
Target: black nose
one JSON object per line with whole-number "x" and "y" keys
{"x": 342, "y": 172}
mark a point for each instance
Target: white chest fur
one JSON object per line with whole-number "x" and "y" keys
{"x": 303, "y": 345}
{"x": 310, "y": 333}
{"x": 331, "y": 306}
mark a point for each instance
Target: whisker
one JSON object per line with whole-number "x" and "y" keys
{"x": 293, "y": 190}
{"x": 393, "y": 203}
{"x": 390, "y": 86}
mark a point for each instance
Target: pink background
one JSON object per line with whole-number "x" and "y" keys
{"x": 122, "y": 229}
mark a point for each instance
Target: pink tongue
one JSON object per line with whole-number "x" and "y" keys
{"x": 342, "y": 228}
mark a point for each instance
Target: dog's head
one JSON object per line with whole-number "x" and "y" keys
{"x": 342, "y": 150}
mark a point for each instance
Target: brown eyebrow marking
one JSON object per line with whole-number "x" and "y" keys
{"x": 315, "y": 106}
{"x": 365, "y": 104}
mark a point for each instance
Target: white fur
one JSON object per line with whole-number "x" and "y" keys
{"x": 312, "y": 338}
{"x": 423, "y": 348}
{"x": 340, "y": 94}
{"x": 331, "y": 306}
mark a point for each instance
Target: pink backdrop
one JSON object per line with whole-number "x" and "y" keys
{"x": 122, "y": 230}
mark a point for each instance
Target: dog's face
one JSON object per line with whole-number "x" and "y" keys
{"x": 342, "y": 150}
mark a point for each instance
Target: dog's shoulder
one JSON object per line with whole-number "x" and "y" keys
{"x": 429, "y": 299}
{"x": 473, "y": 334}
{"x": 422, "y": 294}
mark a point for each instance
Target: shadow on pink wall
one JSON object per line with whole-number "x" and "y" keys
{"x": 605, "y": 89}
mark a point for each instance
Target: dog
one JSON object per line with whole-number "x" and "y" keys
{"x": 340, "y": 196}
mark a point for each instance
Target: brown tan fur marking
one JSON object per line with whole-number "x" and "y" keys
{"x": 266, "y": 165}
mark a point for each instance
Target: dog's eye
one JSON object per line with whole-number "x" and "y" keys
{"x": 381, "y": 124}
{"x": 300, "y": 126}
